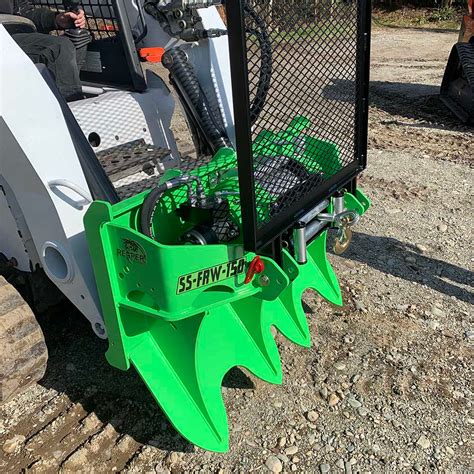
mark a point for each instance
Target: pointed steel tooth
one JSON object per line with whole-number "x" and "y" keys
{"x": 320, "y": 275}
{"x": 227, "y": 339}
{"x": 294, "y": 308}
{"x": 183, "y": 365}
{"x": 291, "y": 302}
{"x": 292, "y": 324}
{"x": 258, "y": 328}
{"x": 166, "y": 360}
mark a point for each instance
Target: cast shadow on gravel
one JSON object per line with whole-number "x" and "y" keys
{"x": 420, "y": 102}
{"x": 394, "y": 257}
{"x": 413, "y": 101}
{"x": 78, "y": 368}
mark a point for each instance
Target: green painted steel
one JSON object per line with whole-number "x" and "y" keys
{"x": 182, "y": 314}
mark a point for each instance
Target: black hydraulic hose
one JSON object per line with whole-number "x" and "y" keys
{"x": 184, "y": 76}
{"x": 265, "y": 75}
{"x": 148, "y": 209}
{"x": 151, "y": 202}
{"x": 200, "y": 142}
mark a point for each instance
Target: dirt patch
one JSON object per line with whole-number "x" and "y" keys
{"x": 406, "y": 112}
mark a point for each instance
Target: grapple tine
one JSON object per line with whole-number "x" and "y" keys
{"x": 184, "y": 363}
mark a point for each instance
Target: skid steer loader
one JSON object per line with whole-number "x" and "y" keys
{"x": 457, "y": 88}
{"x": 183, "y": 262}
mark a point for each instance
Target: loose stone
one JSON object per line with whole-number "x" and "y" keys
{"x": 333, "y": 400}
{"x": 274, "y": 464}
{"x": 423, "y": 442}
{"x": 291, "y": 450}
{"x": 12, "y": 444}
{"x": 324, "y": 468}
{"x": 354, "y": 403}
{"x": 282, "y": 441}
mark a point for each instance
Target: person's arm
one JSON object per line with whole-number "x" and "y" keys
{"x": 43, "y": 18}
{"x": 46, "y": 20}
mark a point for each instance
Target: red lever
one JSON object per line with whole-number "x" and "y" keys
{"x": 256, "y": 266}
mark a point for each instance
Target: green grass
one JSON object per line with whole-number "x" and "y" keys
{"x": 441, "y": 18}
{"x": 313, "y": 32}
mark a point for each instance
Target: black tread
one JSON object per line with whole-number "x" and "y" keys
{"x": 23, "y": 350}
{"x": 461, "y": 56}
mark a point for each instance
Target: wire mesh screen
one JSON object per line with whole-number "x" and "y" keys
{"x": 99, "y": 13}
{"x": 303, "y": 59}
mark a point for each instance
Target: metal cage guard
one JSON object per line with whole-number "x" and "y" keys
{"x": 310, "y": 137}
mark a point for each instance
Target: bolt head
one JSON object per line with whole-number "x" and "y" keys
{"x": 264, "y": 280}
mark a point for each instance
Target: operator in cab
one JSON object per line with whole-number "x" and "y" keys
{"x": 57, "y": 53}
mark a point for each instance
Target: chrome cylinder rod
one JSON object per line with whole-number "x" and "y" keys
{"x": 299, "y": 242}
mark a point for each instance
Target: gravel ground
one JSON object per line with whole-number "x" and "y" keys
{"x": 387, "y": 384}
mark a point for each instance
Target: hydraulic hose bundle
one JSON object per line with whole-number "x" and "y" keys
{"x": 150, "y": 204}
{"x": 185, "y": 80}
{"x": 205, "y": 121}
{"x": 183, "y": 76}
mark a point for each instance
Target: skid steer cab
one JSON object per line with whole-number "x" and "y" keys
{"x": 184, "y": 262}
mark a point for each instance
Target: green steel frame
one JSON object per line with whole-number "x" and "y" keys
{"x": 181, "y": 342}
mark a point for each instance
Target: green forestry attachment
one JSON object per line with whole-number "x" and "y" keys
{"x": 183, "y": 314}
